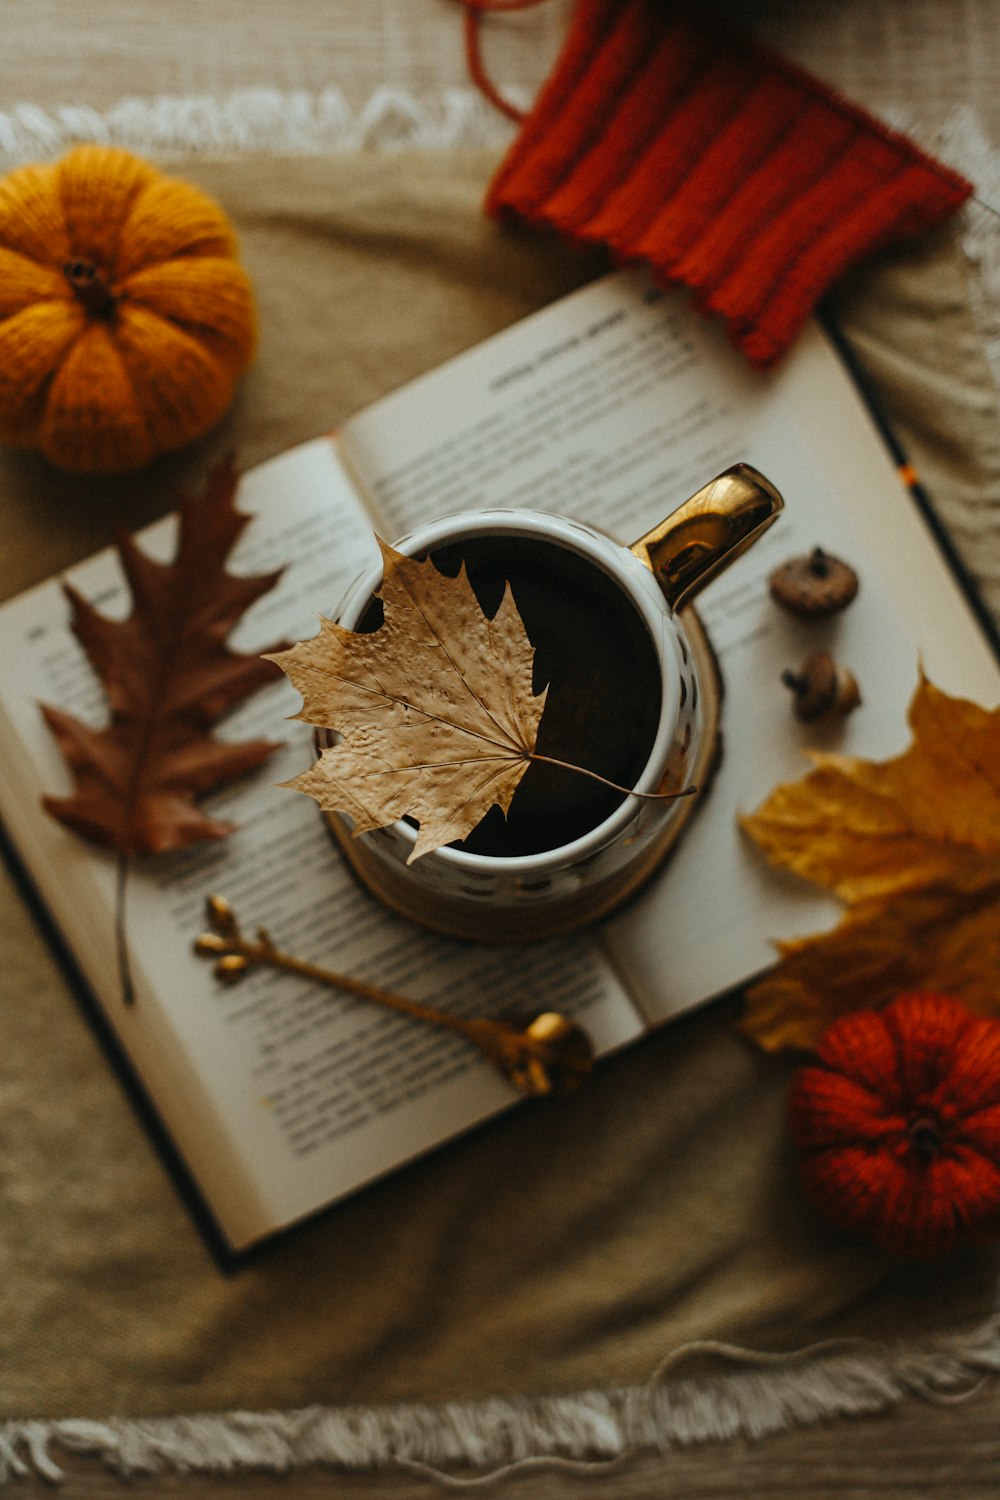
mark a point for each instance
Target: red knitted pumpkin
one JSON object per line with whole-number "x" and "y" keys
{"x": 898, "y": 1120}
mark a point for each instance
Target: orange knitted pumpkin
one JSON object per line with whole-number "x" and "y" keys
{"x": 125, "y": 317}
{"x": 899, "y": 1123}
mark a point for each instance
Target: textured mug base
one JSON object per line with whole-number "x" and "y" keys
{"x": 481, "y": 921}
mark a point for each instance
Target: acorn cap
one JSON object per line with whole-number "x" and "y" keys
{"x": 821, "y": 687}
{"x": 814, "y": 584}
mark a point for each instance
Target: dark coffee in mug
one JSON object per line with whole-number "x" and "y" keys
{"x": 593, "y": 650}
{"x": 633, "y": 697}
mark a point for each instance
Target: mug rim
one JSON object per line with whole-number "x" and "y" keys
{"x": 611, "y": 556}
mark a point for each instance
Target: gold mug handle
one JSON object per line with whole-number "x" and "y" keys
{"x": 705, "y": 534}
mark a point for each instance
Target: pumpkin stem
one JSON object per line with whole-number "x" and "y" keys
{"x": 926, "y": 1137}
{"x": 87, "y": 281}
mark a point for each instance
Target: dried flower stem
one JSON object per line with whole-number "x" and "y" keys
{"x": 121, "y": 932}
{"x": 626, "y": 791}
{"x": 549, "y": 1054}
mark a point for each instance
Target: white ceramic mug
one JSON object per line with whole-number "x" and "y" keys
{"x": 512, "y": 896}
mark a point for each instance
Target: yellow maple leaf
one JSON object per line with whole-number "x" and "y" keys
{"x": 436, "y": 708}
{"x": 912, "y": 846}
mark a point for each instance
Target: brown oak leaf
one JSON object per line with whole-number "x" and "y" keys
{"x": 169, "y": 677}
{"x": 912, "y": 846}
{"x": 435, "y": 708}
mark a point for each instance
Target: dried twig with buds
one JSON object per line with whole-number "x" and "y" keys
{"x": 547, "y": 1054}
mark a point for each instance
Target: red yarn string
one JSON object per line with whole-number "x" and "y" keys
{"x": 474, "y": 11}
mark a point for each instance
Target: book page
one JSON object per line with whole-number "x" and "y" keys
{"x": 611, "y": 406}
{"x": 614, "y": 405}
{"x": 711, "y": 918}
{"x": 280, "y": 1095}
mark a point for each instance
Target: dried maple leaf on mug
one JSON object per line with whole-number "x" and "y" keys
{"x": 912, "y": 846}
{"x": 436, "y": 707}
{"x": 436, "y": 713}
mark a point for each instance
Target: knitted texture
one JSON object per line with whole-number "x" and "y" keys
{"x": 125, "y": 317}
{"x": 899, "y": 1123}
{"x": 671, "y": 139}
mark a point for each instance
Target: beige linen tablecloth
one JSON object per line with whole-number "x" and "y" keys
{"x": 571, "y": 1245}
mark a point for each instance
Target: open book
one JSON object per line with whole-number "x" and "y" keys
{"x": 612, "y": 405}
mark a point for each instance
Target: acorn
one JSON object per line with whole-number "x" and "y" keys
{"x": 821, "y": 688}
{"x": 815, "y": 584}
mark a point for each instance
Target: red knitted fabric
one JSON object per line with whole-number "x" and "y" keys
{"x": 899, "y": 1124}
{"x": 671, "y": 139}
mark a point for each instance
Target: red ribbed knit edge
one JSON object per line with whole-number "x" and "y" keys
{"x": 671, "y": 139}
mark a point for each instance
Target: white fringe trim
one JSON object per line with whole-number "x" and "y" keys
{"x": 260, "y": 120}
{"x": 733, "y": 1393}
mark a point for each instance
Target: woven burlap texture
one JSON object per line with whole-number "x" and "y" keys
{"x": 570, "y": 1244}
